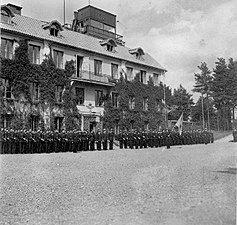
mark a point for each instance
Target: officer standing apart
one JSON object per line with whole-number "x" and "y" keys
{"x": 235, "y": 135}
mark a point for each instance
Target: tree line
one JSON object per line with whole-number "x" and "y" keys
{"x": 218, "y": 89}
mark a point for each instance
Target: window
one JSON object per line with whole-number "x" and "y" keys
{"x": 129, "y": 73}
{"x": 35, "y": 92}
{"x": 6, "y": 121}
{"x": 34, "y": 122}
{"x": 110, "y": 48}
{"x": 79, "y": 65}
{"x": 131, "y": 102}
{"x": 6, "y": 48}
{"x": 58, "y": 58}
{"x": 98, "y": 98}
{"x": 146, "y": 125}
{"x": 58, "y": 123}
{"x": 116, "y": 128}
{"x": 54, "y": 31}
{"x": 138, "y": 55}
{"x": 34, "y": 54}
{"x": 59, "y": 93}
{"x": 80, "y": 95}
{"x": 7, "y": 88}
{"x": 115, "y": 100}
{"x": 114, "y": 71}
{"x": 145, "y": 104}
{"x": 158, "y": 105}
{"x": 143, "y": 76}
{"x": 98, "y": 67}
{"x": 156, "y": 78}
{"x": 5, "y": 17}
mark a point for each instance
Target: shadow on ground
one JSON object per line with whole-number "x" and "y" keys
{"x": 229, "y": 170}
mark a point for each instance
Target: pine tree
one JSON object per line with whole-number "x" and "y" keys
{"x": 221, "y": 93}
{"x": 202, "y": 85}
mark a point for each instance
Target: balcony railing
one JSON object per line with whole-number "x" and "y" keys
{"x": 90, "y": 76}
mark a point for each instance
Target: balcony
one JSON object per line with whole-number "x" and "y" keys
{"x": 90, "y": 77}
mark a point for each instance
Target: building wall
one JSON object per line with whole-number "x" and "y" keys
{"x": 87, "y": 65}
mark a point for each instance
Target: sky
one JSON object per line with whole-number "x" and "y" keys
{"x": 179, "y": 34}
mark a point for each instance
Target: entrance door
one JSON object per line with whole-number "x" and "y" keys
{"x": 92, "y": 126}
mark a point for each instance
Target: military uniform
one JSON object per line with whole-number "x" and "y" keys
{"x": 235, "y": 135}
{"x": 98, "y": 140}
{"x": 111, "y": 139}
{"x": 105, "y": 140}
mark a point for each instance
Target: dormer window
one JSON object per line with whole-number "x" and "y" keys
{"x": 110, "y": 48}
{"x": 109, "y": 45}
{"x": 6, "y": 14}
{"x": 137, "y": 52}
{"x": 54, "y": 28}
{"x": 54, "y": 31}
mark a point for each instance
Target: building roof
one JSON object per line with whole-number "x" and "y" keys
{"x": 33, "y": 27}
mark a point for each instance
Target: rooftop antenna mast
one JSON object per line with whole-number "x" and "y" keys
{"x": 64, "y": 11}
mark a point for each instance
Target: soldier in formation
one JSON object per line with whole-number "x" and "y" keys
{"x": 29, "y": 142}
{"x": 144, "y": 139}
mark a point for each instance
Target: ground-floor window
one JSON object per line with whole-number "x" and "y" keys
{"x": 146, "y": 126}
{"x": 34, "y": 122}
{"x": 116, "y": 129}
{"x": 6, "y": 121}
{"x": 58, "y": 123}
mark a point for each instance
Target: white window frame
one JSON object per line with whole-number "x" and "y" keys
{"x": 7, "y": 88}
{"x": 97, "y": 67}
{"x": 7, "y": 48}
{"x": 35, "y": 51}
{"x": 114, "y": 71}
{"x": 56, "y": 58}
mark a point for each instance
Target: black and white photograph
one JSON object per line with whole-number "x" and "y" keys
{"x": 118, "y": 112}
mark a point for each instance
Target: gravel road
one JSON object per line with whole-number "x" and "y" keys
{"x": 183, "y": 185}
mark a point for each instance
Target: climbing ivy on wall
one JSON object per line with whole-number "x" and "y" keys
{"x": 123, "y": 116}
{"x": 22, "y": 73}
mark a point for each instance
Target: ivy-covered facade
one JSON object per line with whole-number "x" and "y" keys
{"x": 54, "y": 77}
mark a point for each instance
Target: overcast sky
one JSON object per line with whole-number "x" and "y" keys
{"x": 179, "y": 34}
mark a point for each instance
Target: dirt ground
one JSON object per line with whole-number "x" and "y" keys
{"x": 183, "y": 185}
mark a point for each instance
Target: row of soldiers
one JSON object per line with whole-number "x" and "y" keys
{"x": 28, "y": 141}
{"x": 135, "y": 139}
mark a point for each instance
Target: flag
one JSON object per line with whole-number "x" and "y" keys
{"x": 179, "y": 124}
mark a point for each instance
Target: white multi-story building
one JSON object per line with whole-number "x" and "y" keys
{"x": 100, "y": 54}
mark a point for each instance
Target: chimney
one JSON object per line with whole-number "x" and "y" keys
{"x": 15, "y": 8}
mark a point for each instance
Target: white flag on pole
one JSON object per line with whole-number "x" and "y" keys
{"x": 179, "y": 124}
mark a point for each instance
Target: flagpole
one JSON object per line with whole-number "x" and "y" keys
{"x": 165, "y": 107}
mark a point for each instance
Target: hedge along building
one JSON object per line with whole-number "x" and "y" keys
{"x": 99, "y": 54}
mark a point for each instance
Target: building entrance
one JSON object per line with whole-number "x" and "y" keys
{"x": 92, "y": 126}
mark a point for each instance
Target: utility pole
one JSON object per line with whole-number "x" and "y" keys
{"x": 203, "y": 119}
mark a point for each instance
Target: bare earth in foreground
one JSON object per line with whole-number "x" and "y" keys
{"x": 184, "y": 185}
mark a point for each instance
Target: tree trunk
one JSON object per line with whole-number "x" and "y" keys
{"x": 208, "y": 113}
